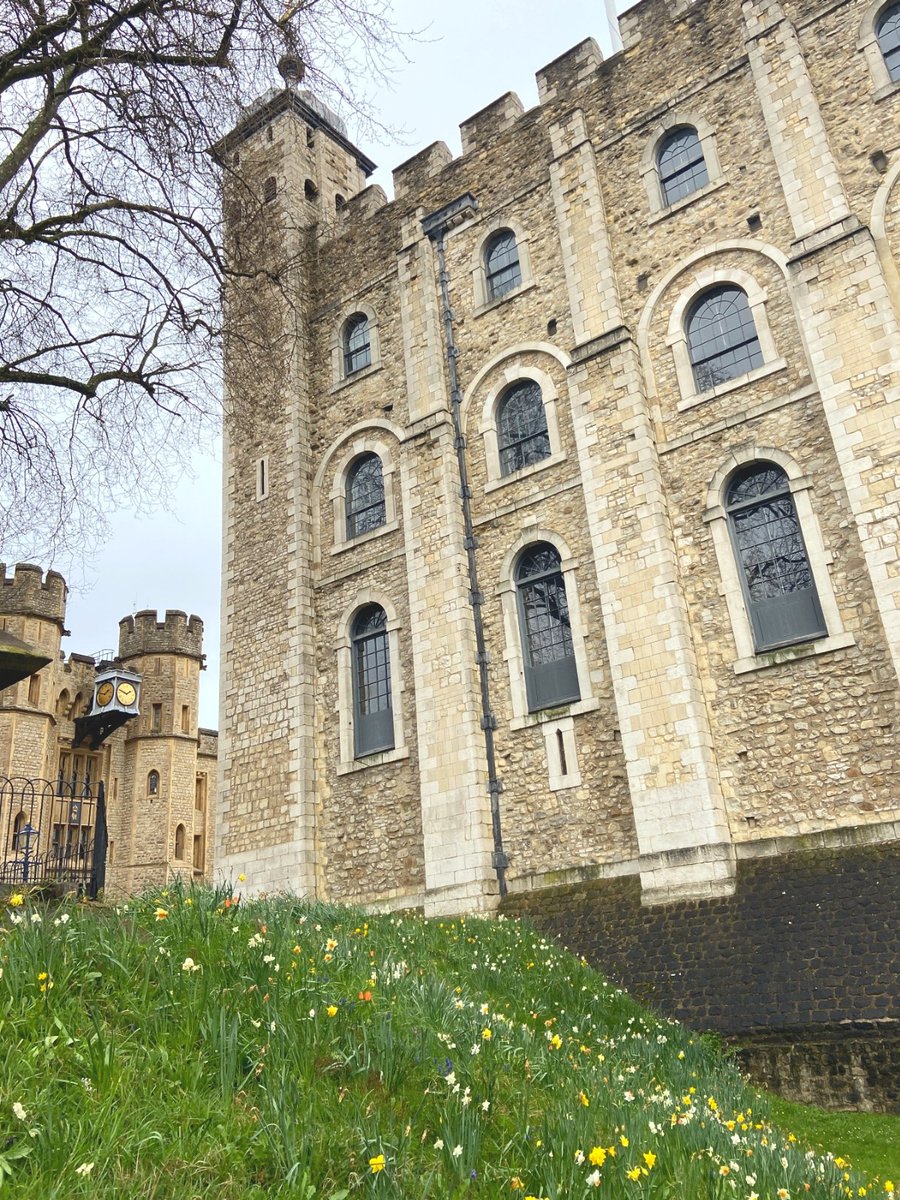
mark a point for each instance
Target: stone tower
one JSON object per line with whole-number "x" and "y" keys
{"x": 157, "y": 829}
{"x": 33, "y": 608}
{"x": 288, "y": 171}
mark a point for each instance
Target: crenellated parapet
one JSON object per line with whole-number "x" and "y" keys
{"x": 30, "y": 593}
{"x": 144, "y": 633}
{"x": 480, "y": 130}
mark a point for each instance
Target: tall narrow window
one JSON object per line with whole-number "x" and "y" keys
{"x": 18, "y": 838}
{"x": 198, "y": 852}
{"x": 888, "y": 34}
{"x": 357, "y": 344}
{"x": 185, "y": 718}
{"x": 551, "y": 675}
{"x": 153, "y": 783}
{"x": 722, "y": 338}
{"x": 34, "y": 689}
{"x": 522, "y": 437}
{"x": 776, "y": 577}
{"x": 179, "y": 842}
{"x": 681, "y": 165}
{"x": 502, "y": 271}
{"x": 155, "y": 718}
{"x": 373, "y": 716}
{"x": 365, "y": 496}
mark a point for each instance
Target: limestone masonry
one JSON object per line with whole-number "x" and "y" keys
{"x": 561, "y": 491}
{"x": 158, "y": 769}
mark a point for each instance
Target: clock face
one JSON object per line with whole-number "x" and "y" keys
{"x": 105, "y": 693}
{"x": 125, "y": 694}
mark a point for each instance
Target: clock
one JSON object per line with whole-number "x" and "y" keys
{"x": 126, "y": 694}
{"x": 105, "y": 693}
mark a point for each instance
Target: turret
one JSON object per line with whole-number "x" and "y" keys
{"x": 144, "y": 633}
{"x": 29, "y": 594}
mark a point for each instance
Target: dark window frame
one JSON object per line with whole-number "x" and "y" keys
{"x": 777, "y": 580}
{"x": 523, "y": 438}
{"x": 356, "y": 344}
{"x": 364, "y": 498}
{"x": 681, "y": 164}
{"x": 502, "y": 265}
{"x": 887, "y": 34}
{"x": 545, "y": 631}
{"x": 372, "y": 687}
{"x": 722, "y": 338}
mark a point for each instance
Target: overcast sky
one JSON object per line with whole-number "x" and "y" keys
{"x": 469, "y": 53}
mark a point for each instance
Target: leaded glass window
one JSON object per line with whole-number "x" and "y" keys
{"x": 722, "y": 339}
{"x": 365, "y": 496}
{"x": 522, "y": 437}
{"x": 501, "y": 264}
{"x": 889, "y": 40}
{"x": 551, "y": 676}
{"x": 682, "y": 167}
{"x": 357, "y": 344}
{"x": 776, "y": 576}
{"x": 373, "y": 718}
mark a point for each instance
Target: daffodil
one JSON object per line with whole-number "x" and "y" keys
{"x": 376, "y": 1164}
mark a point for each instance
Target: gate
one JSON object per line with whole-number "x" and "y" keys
{"x": 53, "y": 832}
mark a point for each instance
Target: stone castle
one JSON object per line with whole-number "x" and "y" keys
{"x": 158, "y": 770}
{"x": 561, "y": 491}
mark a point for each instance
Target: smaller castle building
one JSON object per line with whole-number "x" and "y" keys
{"x": 157, "y": 770}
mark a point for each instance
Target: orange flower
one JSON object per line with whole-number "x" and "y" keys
{"x": 365, "y": 996}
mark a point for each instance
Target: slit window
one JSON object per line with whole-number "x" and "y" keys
{"x": 153, "y": 783}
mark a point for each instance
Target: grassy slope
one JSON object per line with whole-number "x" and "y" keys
{"x": 191, "y": 1047}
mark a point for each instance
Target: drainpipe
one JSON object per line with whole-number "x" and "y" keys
{"x": 435, "y": 227}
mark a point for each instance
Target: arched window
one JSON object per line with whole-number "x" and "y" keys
{"x": 888, "y": 34}
{"x": 721, "y": 336}
{"x": 502, "y": 271}
{"x": 777, "y": 581}
{"x": 18, "y": 841}
{"x": 357, "y": 344}
{"x": 62, "y": 704}
{"x": 373, "y": 717}
{"x": 365, "y": 496}
{"x": 179, "y": 842}
{"x": 522, "y": 437}
{"x": 153, "y": 783}
{"x": 551, "y": 676}
{"x": 681, "y": 165}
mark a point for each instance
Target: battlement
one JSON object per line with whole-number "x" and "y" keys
{"x": 144, "y": 633}
{"x": 29, "y": 593}
{"x": 479, "y": 131}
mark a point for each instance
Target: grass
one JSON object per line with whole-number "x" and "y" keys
{"x": 870, "y": 1140}
{"x": 195, "y": 1045}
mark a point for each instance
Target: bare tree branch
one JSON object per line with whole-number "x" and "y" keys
{"x": 111, "y": 259}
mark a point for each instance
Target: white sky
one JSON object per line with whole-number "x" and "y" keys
{"x": 469, "y": 53}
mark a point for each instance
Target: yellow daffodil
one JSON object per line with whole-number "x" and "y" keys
{"x": 597, "y": 1156}
{"x": 486, "y": 1035}
{"x": 623, "y": 1140}
{"x": 377, "y": 1163}
{"x": 634, "y": 1174}
{"x": 16, "y": 899}
{"x": 331, "y": 1010}
{"x": 650, "y": 1159}
{"x": 161, "y": 914}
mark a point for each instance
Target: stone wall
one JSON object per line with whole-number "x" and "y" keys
{"x": 687, "y": 747}
{"x": 798, "y": 968}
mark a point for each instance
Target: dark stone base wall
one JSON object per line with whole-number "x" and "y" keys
{"x": 807, "y": 948}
